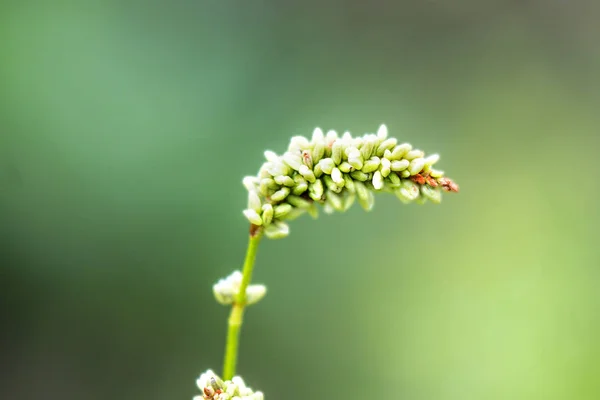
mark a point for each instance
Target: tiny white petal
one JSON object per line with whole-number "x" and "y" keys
{"x": 251, "y": 182}
{"x": 331, "y": 136}
{"x": 318, "y": 135}
{"x": 271, "y": 156}
{"x": 377, "y": 180}
{"x": 382, "y": 132}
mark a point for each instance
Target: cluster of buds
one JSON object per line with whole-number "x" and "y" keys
{"x": 227, "y": 289}
{"x": 335, "y": 171}
{"x": 213, "y": 388}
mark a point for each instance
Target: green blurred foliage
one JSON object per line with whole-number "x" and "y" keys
{"x": 125, "y": 130}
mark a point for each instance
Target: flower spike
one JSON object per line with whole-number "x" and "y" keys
{"x": 332, "y": 171}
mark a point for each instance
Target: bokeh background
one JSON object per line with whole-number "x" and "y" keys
{"x": 125, "y": 131}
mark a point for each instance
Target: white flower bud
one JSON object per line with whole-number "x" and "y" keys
{"x": 360, "y": 176}
{"x": 284, "y": 180}
{"x": 385, "y": 167}
{"x": 300, "y": 142}
{"x": 386, "y": 144}
{"x": 318, "y": 151}
{"x": 432, "y": 159}
{"x": 267, "y": 214}
{"x": 300, "y": 188}
{"x": 336, "y": 176}
{"x": 317, "y": 135}
{"x": 345, "y": 167}
{"x": 408, "y": 192}
{"x": 411, "y": 155}
{"x": 335, "y": 201}
{"x": 307, "y": 159}
{"x": 292, "y": 160}
{"x": 251, "y": 182}
{"x": 254, "y": 293}
{"x": 281, "y": 210}
{"x": 331, "y": 136}
{"x": 371, "y": 165}
{"x": 253, "y": 217}
{"x": 400, "y": 150}
{"x": 337, "y": 151}
{"x": 416, "y": 166}
{"x": 280, "y": 194}
{"x": 294, "y": 213}
{"x": 436, "y": 173}
{"x": 394, "y": 180}
{"x": 277, "y": 230}
{"x": 277, "y": 168}
{"x": 349, "y": 183}
{"x": 226, "y": 291}
{"x": 327, "y": 165}
{"x": 315, "y": 190}
{"x": 271, "y": 156}
{"x": 367, "y": 202}
{"x": 307, "y": 173}
{"x": 368, "y": 146}
{"x": 399, "y": 165}
{"x": 254, "y": 202}
{"x": 435, "y": 195}
{"x": 377, "y": 180}
{"x": 355, "y": 160}
{"x": 330, "y": 184}
{"x": 362, "y": 192}
{"x": 382, "y": 132}
{"x": 269, "y": 183}
{"x": 298, "y": 201}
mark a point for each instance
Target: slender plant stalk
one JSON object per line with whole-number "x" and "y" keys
{"x": 237, "y": 310}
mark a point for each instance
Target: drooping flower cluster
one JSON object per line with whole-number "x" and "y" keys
{"x": 226, "y": 290}
{"x": 213, "y": 388}
{"x": 335, "y": 171}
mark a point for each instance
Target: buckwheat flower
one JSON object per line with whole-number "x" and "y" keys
{"x": 227, "y": 289}
{"x": 332, "y": 171}
{"x": 214, "y": 388}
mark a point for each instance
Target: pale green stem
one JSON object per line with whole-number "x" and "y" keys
{"x": 237, "y": 311}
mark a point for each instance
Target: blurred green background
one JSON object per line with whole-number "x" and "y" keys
{"x": 125, "y": 131}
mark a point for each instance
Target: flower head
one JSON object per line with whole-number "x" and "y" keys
{"x": 335, "y": 171}
{"x": 213, "y": 388}
{"x": 226, "y": 290}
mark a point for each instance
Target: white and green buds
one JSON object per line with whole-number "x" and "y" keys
{"x": 227, "y": 289}
{"x": 333, "y": 171}
{"x": 213, "y": 388}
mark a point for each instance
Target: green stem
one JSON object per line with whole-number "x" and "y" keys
{"x": 237, "y": 311}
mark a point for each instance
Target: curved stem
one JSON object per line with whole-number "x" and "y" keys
{"x": 237, "y": 311}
